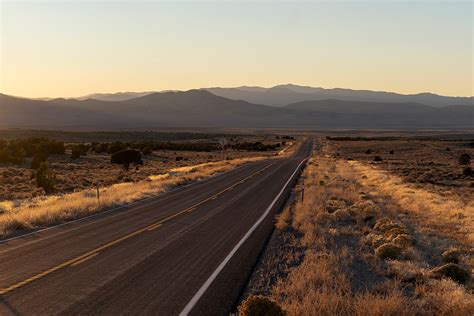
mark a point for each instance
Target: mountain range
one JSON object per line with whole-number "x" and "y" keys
{"x": 201, "y": 108}
{"x": 282, "y": 95}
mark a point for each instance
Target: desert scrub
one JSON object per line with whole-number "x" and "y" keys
{"x": 363, "y": 255}
{"x": 43, "y": 211}
{"x": 452, "y": 271}
{"x": 388, "y": 251}
{"x": 257, "y": 305}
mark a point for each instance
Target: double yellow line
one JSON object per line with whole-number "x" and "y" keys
{"x": 91, "y": 254}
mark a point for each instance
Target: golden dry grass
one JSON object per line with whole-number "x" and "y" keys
{"x": 444, "y": 214}
{"x": 43, "y": 211}
{"x": 339, "y": 243}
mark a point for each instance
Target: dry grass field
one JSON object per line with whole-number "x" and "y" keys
{"x": 47, "y": 210}
{"x": 23, "y": 205}
{"x": 17, "y": 182}
{"x": 366, "y": 240}
{"x": 432, "y": 164}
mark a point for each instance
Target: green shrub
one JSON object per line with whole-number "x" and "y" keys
{"x": 464, "y": 159}
{"x": 37, "y": 160}
{"x": 45, "y": 178}
{"x": 257, "y": 305}
{"x": 468, "y": 172}
{"x": 79, "y": 150}
{"x": 126, "y": 158}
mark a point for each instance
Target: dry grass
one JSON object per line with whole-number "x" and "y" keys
{"x": 445, "y": 215}
{"x": 346, "y": 215}
{"x": 43, "y": 211}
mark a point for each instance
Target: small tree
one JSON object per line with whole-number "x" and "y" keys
{"x": 468, "y": 172}
{"x": 126, "y": 158}
{"x": 45, "y": 178}
{"x": 464, "y": 159}
{"x": 37, "y": 160}
{"x": 79, "y": 150}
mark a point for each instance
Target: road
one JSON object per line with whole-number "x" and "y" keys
{"x": 189, "y": 251}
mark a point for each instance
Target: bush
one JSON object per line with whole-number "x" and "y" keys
{"x": 451, "y": 256}
{"x": 452, "y": 271}
{"x": 126, "y": 158}
{"x": 464, "y": 159}
{"x": 45, "y": 178}
{"x": 468, "y": 172}
{"x": 257, "y": 305}
{"x": 378, "y": 158}
{"x": 403, "y": 240}
{"x": 115, "y": 147}
{"x": 79, "y": 150}
{"x": 37, "y": 160}
{"x": 388, "y": 251}
{"x": 99, "y": 148}
{"x": 14, "y": 151}
{"x": 342, "y": 215}
{"x": 257, "y": 146}
{"x": 391, "y": 152}
{"x": 368, "y": 151}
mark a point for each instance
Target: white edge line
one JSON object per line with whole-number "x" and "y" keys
{"x": 3, "y": 241}
{"x": 187, "y": 309}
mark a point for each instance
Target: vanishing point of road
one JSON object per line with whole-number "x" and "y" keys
{"x": 187, "y": 251}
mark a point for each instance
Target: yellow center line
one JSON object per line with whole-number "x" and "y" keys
{"x": 192, "y": 209}
{"x": 152, "y": 227}
{"x": 85, "y": 259}
{"x": 90, "y": 254}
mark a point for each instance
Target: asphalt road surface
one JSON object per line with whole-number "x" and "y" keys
{"x": 188, "y": 251}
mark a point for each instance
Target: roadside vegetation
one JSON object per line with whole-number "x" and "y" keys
{"x": 365, "y": 242}
{"x": 36, "y": 166}
{"x": 45, "y": 181}
{"x": 47, "y": 210}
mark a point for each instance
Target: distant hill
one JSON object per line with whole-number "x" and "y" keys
{"x": 284, "y": 94}
{"x": 200, "y": 108}
{"x": 119, "y": 96}
{"x": 386, "y": 114}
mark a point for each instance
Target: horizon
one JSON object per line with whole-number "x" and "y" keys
{"x": 103, "y": 47}
{"x": 227, "y": 87}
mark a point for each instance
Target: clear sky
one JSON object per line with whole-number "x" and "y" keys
{"x": 73, "y": 48}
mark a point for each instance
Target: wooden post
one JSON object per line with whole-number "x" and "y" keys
{"x": 98, "y": 192}
{"x": 302, "y": 193}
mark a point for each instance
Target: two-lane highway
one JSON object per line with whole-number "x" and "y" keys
{"x": 188, "y": 251}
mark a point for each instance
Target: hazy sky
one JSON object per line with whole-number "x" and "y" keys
{"x": 72, "y": 48}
